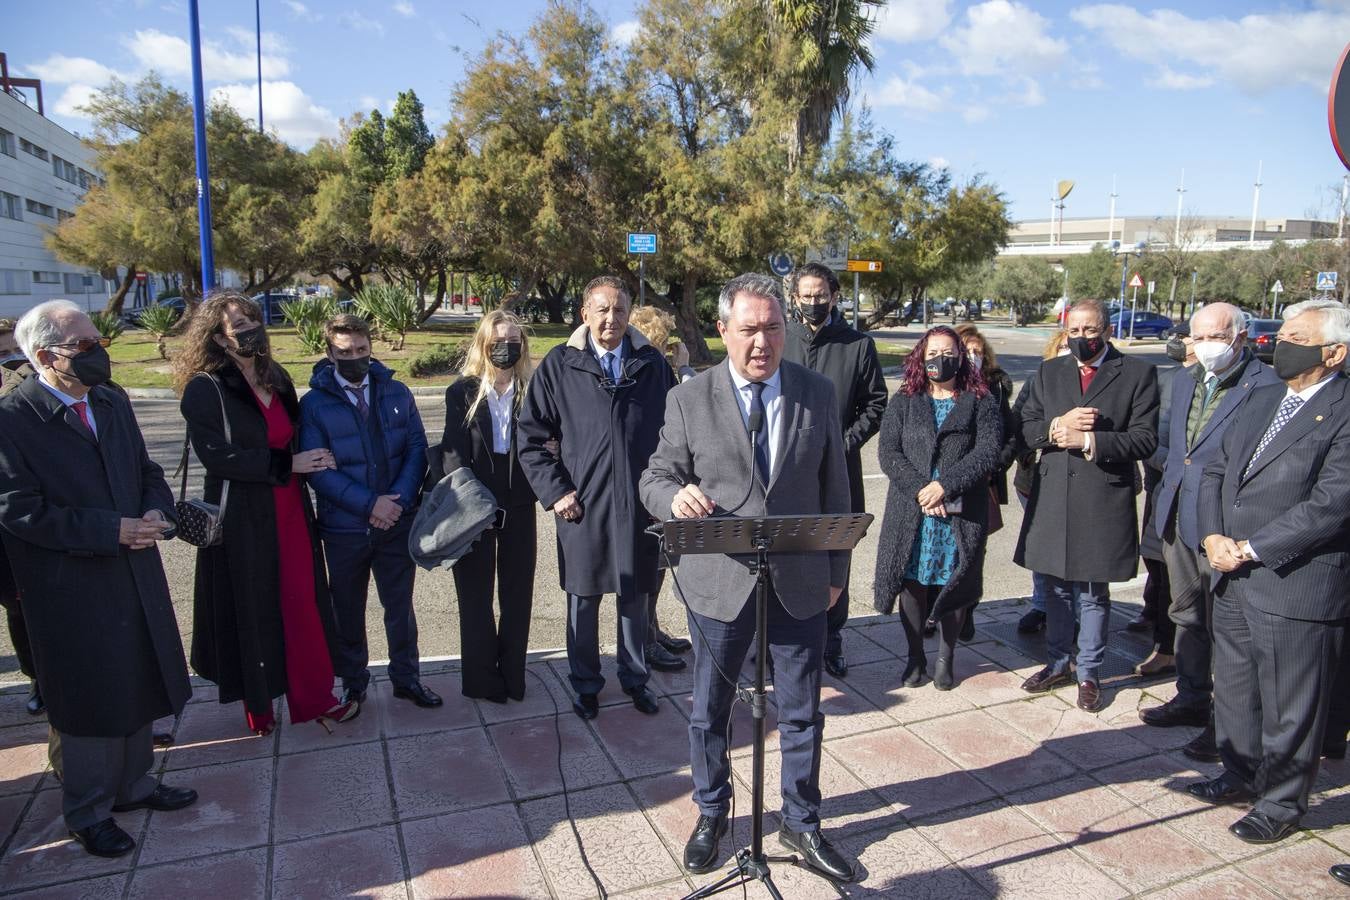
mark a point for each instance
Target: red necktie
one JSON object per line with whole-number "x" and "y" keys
{"x": 82, "y": 408}
{"x": 1085, "y": 376}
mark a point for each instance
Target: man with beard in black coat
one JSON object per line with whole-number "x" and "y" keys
{"x": 822, "y": 341}
{"x": 602, "y": 397}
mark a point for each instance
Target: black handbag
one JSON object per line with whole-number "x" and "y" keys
{"x": 200, "y": 523}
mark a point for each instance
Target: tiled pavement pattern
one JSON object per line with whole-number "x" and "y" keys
{"x": 980, "y": 791}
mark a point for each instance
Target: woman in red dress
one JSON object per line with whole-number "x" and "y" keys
{"x": 261, "y": 611}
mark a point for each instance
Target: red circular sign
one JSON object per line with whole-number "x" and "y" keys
{"x": 1338, "y": 108}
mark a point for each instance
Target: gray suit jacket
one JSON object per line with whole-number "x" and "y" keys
{"x": 704, "y": 442}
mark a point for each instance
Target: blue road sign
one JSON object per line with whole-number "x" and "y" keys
{"x": 1326, "y": 281}
{"x": 641, "y": 242}
{"x": 780, "y": 264}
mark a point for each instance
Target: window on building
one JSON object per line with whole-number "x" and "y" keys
{"x": 28, "y": 146}
{"x": 65, "y": 170}
{"x": 63, "y": 214}
{"x": 85, "y": 179}
{"x": 6, "y": 142}
{"x": 41, "y": 209}
{"x": 46, "y": 278}
{"x": 14, "y": 281}
{"x": 78, "y": 284}
{"x": 10, "y": 207}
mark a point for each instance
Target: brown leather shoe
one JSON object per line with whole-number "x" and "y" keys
{"x": 1089, "y": 696}
{"x": 1046, "y": 679}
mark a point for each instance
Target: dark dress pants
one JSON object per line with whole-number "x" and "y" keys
{"x": 1338, "y": 717}
{"x": 795, "y": 648}
{"x": 98, "y": 772}
{"x": 1273, "y": 679}
{"x": 1157, "y": 600}
{"x": 351, "y": 560}
{"x": 836, "y": 617}
{"x": 18, "y": 631}
{"x": 494, "y": 647}
{"x": 1192, "y": 612}
{"x": 583, "y": 642}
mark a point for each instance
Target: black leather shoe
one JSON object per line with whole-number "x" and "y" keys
{"x": 36, "y": 706}
{"x": 105, "y": 839}
{"x": 942, "y": 675}
{"x": 1203, "y": 747}
{"x": 586, "y": 706}
{"x": 1172, "y": 713}
{"x": 675, "y": 645}
{"x": 163, "y": 799}
{"x": 644, "y": 701}
{"x": 1046, "y": 679}
{"x": 1032, "y": 622}
{"x": 836, "y": 665}
{"x": 700, "y": 851}
{"x": 916, "y": 672}
{"x": 1341, "y": 872}
{"x": 661, "y": 659}
{"x": 352, "y": 695}
{"x": 418, "y": 693}
{"x": 817, "y": 853}
{"x": 1219, "y": 791}
{"x": 1259, "y": 828}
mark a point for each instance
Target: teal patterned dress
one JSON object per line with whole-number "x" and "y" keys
{"x": 933, "y": 556}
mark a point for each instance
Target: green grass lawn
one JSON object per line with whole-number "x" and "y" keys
{"x": 136, "y": 362}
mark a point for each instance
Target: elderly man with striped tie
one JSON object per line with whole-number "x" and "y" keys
{"x": 1275, "y": 516}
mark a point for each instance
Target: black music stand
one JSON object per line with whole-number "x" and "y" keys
{"x": 760, "y": 536}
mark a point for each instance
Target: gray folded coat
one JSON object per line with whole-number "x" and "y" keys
{"x": 453, "y": 515}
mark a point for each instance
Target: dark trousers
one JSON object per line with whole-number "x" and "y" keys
{"x": 98, "y": 772}
{"x": 18, "y": 634}
{"x": 583, "y": 642}
{"x": 1192, "y": 612}
{"x": 351, "y": 560}
{"x": 1273, "y": 679}
{"x": 795, "y": 647}
{"x": 836, "y": 617}
{"x": 494, "y": 647}
{"x": 1338, "y": 716}
{"x": 1157, "y": 600}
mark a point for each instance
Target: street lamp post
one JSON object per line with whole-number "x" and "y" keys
{"x": 199, "y": 136}
{"x": 1136, "y": 250}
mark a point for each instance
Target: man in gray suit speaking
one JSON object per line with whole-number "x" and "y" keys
{"x": 711, "y": 460}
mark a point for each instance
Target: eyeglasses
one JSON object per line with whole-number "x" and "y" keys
{"x": 83, "y": 345}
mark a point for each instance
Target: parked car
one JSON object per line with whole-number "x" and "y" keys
{"x": 1139, "y": 324}
{"x": 1261, "y": 338}
{"x": 272, "y": 308}
{"x": 132, "y": 316}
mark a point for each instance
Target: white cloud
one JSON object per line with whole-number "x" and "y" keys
{"x": 904, "y": 21}
{"x": 1003, "y": 37}
{"x": 1255, "y": 52}
{"x": 60, "y": 69}
{"x": 1170, "y": 80}
{"x": 405, "y": 9}
{"x": 287, "y": 110}
{"x": 1030, "y": 95}
{"x": 170, "y": 54}
{"x": 625, "y": 32}
{"x": 248, "y": 38}
{"x": 901, "y": 93}
{"x": 939, "y": 162}
{"x": 975, "y": 113}
{"x": 368, "y": 101}
{"x": 301, "y": 11}
{"x": 73, "y": 98}
{"x": 354, "y": 20}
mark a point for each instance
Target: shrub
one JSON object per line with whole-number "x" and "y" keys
{"x": 159, "y": 321}
{"x": 311, "y": 335}
{"x": 439, "y": 359}
{"x": 308, "y": 310}
{"x": 109, "y": 324}
{"x": 393, "y": 308}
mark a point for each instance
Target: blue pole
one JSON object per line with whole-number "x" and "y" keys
{"x": 257, "y": 12}
{"x": 199, "y": 139}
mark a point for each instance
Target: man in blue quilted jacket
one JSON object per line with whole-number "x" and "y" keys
{"x": 366, "y": 503}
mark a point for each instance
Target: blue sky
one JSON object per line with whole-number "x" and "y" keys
{"x": 1025, "y": 92}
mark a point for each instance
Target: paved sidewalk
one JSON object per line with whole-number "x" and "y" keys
{"x": 981, "y": 791}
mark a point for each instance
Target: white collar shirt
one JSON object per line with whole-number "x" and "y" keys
{"x": 600, "y": 356}
{"x": 773, "y": 407}
{"x": 70, "y": 401}
{"x": 500, "y": 407}
{"x": 344, "y": 384}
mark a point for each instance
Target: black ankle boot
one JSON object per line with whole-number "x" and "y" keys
{"x": 942, "y": 675}
{"x": 916, "y": 671}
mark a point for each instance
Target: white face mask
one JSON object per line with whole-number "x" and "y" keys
{"x": 976, "y": 360}
{"x": 1215, "y": 356}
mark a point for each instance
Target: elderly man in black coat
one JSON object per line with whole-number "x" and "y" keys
{"x": 1093, "y": 415}
{"x": 81, "y": 507}
{"x": 602, "y": 396}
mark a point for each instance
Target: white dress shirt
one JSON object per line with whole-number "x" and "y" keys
{"x": 600, "y": 356}
{"x": 351, "y": 395}
{"x": 70, "y": 401}
{"x": 500, "y": 407}
{"x": 773, "y": 407}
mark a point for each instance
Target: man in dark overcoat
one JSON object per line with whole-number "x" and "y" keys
{"x": 81, "y": 507}
{"x": 602, "y": 396}
{"x": 822, "y": 341}
{"x": 1274, "y": 515}
{"x": 1093, "y": 415}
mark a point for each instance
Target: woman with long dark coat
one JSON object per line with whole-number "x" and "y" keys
{"x": 481, "y": 409}
{"x": 262, "y": 617}
{"x": 940, "y": 440}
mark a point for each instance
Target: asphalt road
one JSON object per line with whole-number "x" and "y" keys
{"x": 435, "y": 601}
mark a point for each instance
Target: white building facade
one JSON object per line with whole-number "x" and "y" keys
{"x": 44, "y": 172}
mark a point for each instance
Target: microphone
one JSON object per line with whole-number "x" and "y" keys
{"x": 756, "y": 422}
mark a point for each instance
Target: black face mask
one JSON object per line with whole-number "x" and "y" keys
{"x": 816, "y": 314}
{"x": 354, "y": 370}
{"x": 942, "y": 368}
{"x": 1292, "y": 360}
{"x": 1176, "y": 349}
{"x": 504, "y": 354}
{"x": 251, "y": 343}
{"x": 92, "y": 367}
{"x": 1085, "y": 348}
